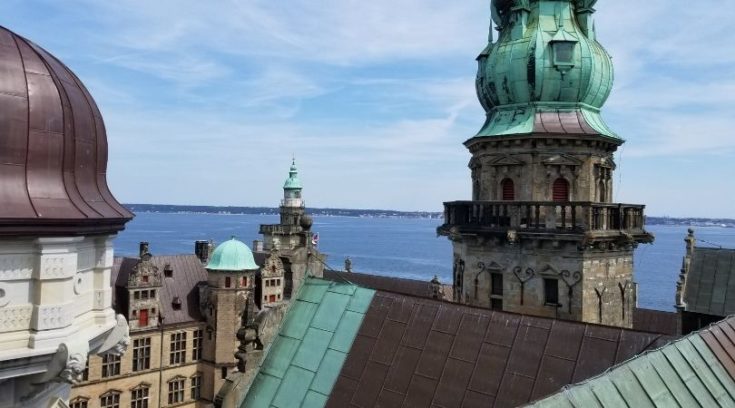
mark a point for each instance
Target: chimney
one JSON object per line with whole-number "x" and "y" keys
{"x": 257, "y": 246}
{"x": 143, "y": 249}
{"x": 201, "y": 250}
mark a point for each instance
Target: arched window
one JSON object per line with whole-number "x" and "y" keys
{"x": 561, "y": 190}
{"x": 509, "y": 190}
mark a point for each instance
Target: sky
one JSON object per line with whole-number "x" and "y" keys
{"x": 205, "y": 102}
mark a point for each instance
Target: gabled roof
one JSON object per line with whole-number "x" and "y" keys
{"x": 710, "y": 282}
{"x": 413, "y": 352}
{"x": 691, "y": 372}
{"x": 188, "y": 272}
{"x": 302, "y": 364}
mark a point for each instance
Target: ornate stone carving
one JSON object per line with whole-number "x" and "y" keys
{"x": 16, "y": 267}
{"x": 57, "y": 267}
{"x": 145, "y": 273}
{"x": 15, "y": 318}
{"x": 118, "y": 339}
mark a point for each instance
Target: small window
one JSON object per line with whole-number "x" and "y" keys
{"x": 139, "y": 397}
{"x": 496, "y": 281}
{"x": 110, "y": 365}
{"x": 563, "y": 52}
{"x": 176, "y": 391}
{"x": 196, "y": 387}
{"x": 136, "y": 295}
{"x": 153, "y": 294}
{"x": 509, "y": 190}
{"x": 228, "y": 282}
{"x": 177, "y": 354}
{"x": 110, "y": 400}
{"x": 278, "y": 282}
{"x": 78, "y": 402}
{"x": 224, "y": 372}
{"x": 561, "y": 190}
{"x": 551, "y": 291}
{"x": 267, "y": 282}
{"x": 145, "y": 294}
{"x": 141, "y": 354}
{"x": 145, "y": 278}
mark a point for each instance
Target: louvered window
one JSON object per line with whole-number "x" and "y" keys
{"x": 561, "y": 190}
{"x": 509, "y": 190}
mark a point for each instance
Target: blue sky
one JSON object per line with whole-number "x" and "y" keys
{"x": 205, "y": 102}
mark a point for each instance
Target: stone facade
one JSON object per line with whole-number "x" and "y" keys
{"x": 55, "y": 309}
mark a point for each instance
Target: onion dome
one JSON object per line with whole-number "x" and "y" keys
{"x": 292, "y": 182}
{"x": 232, "y": 256}
{"x": 53, "y": 148}
{"x": 546, "y": 73}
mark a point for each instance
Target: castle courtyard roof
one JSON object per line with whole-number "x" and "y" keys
{"x": 398, "y": 350}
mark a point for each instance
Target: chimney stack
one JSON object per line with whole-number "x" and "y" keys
{"x": 143, "y": 249}
{"x": 201, "y": 250}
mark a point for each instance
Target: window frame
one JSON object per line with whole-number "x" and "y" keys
{"x": 551, "y": 297}
{"x": 110, "y": 365}
{"x": 79, "y": 402}
{"x": 141, "y": 345}
{"x": 177, "y": 350}
{"x": 176, "y": 387}
{"x": 141, "y": 400}
{"x": 114, "y": 402}
{"x": 196, "y": 386}
{"x": 196, "y": 349}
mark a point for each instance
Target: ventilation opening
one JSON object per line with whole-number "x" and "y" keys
{"x": 509, "y": 190}
{"x": 168, "y": 271}
{"x": 561, "y": 190}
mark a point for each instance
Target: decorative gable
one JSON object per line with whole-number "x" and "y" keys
{"x": 507, "y": 160}
{"x": 273, "y": 266}
{"x": 563, "y": 160}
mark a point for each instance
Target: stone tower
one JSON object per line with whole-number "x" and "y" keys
{"x": 230, "y": 289}
{"x": 541, "y": 235}
{"x": 144, "y": 293}
{"x": 292, "y": 238}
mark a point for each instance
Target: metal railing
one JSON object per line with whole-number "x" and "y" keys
{"x": 545, "y": 216}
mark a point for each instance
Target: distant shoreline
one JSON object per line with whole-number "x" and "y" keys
{"x": 344, "y": 212}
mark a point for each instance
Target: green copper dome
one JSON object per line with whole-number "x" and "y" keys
{"x": 546, "y": 59}
{"x": 232, "y": 255}
{"x": 292, "y": 182}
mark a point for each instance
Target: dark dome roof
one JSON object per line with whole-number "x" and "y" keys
{"x": 53, "y": 148}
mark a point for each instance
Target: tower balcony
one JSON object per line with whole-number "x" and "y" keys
{"x": 279, "y": 229}
{"x": 544, "y": 219}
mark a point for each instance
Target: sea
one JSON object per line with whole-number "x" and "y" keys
{"x": 401, "y": 247}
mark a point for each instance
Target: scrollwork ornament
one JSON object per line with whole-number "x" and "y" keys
{"x": 524, "y": 275}
{"x": 571, "y": 278}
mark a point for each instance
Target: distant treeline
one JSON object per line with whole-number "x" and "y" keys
{"x": 343, "y": 212}
{"x": 208, "y": 209}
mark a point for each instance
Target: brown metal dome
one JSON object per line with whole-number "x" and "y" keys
{"x": 53, "y": 148}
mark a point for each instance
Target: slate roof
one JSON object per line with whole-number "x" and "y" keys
{"x": 303, "y": 362}
{"x": 188, "y": 272}
{"x": 710, "y": 282}
{"x": 656, "y": 321}
{"x": 696, "y": 371}
{"x": 414, "y": 352}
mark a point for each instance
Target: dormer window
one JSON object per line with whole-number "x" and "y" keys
{"x": 564, "y": 52}
{"x": 562, "y": 49}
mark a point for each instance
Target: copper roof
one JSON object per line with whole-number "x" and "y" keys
{"x": 412, "y": 352}
{"x": 710, "y": 282}
{"x": 53, "y": 148}
{"x": 188, "y": 273}
{"x": 409, "y": 287}
{"x": 656, "y": 321}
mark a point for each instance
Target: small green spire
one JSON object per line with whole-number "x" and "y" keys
{"x": 292, "y": 182}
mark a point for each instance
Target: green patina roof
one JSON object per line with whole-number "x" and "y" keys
{"x": 302, "y": 365}
{"x": 232, "y": 255}
{"x": 292, "y": 182}
{"x": 685, "y": 373}
{"x": 519, "y": 70}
